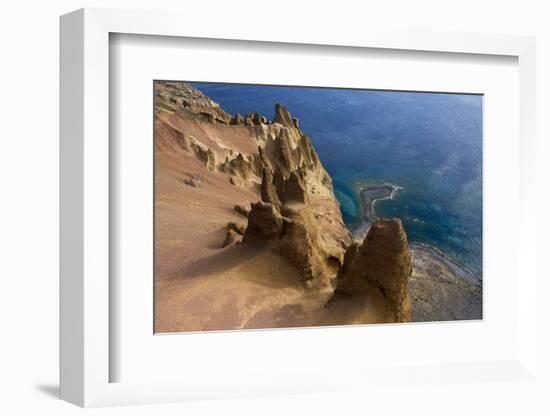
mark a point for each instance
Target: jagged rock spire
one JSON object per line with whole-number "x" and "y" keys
{"x": 265, "y": 224}
{"x": 294, "y": 188}
{"x": 257, "y": 119}
{"x": 282, "y": 116}
{"x": 279, "y": 182}
{"x": 383, "y": 262}
{"x": 285, "y": 154}
{"x": 268, "y": 191}
{"x": 237, "y": 120}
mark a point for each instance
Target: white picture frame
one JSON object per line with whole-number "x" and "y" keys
{"x": 85, "y": 165}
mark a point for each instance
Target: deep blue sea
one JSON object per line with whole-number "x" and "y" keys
{"x": 430, "y": 144}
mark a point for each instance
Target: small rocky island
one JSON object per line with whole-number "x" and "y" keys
{"x": 249, "y": 234}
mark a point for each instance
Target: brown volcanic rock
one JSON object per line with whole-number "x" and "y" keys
{"x": 294, "y": 189}
{"x": 300, "y": 244}
{"x": 282, "y": 116}
{"x": 289, "y": 167}
{"x": 264, "y": 160}
{"x": 296, "y": 247}
{"x": 286, "y": 156}
{"x": 238, "y": 228}
{"x": 237, "y": 120}
{"x": 240, "y": 166}
{"x": 265, "y": 224}
{"x": 275, "y": 189}
{"x": 182, "y": 98}
{"x": 268, "y": 192}
{"x": 279, "y": 182}
{"x": 231, "y": 237}
{"x": 257, "y": 119}
{"x": 308, "y": 152}
{"x": 349, "y": 255}
{"x": 249, "y": 119}
{"x": 208, "y": 116}
{"x": 243, "y": 210}
{"x": 206, "y": 156}
{"x": 189, "y": 144}
{"x": 383, "y": 262}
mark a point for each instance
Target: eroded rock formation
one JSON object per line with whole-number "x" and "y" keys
{"x": 382, "y": 261}
{"x": 182, "y": 98}
{"x": 282, "y": 116}
{"x": 268, "y": 190}
{"x": 265, "y": 224}
{"x": 233, "y": 234}
{"x": 301, "y": 246}
{"x": 294, "y": 188}
{"x": 206, "y": 156}
{"x": 243, "y": 210}
{"x": 285, "y": 218}
{"x": 231, "y": 237}
{"x": 240, "y": 166}
{"x": 237, "y": 120}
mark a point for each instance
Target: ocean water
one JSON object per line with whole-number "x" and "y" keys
{"x": 429, "y": 144}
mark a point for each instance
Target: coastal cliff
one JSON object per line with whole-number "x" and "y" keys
{"x": 382, "y": 261}
{"x": 249, "y": 233}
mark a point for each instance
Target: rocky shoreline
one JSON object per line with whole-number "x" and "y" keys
{"x": 441, "y": 289}
{"x": 460, "y": 270}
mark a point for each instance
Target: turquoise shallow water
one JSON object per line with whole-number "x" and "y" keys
{"x": 429, "y": 144}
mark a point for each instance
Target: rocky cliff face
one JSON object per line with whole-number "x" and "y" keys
{"x": 285, "y": 218}
{"x": 382, "y": 261}
{"x": 295, "y": 213}
{"x": 183, "y": 99}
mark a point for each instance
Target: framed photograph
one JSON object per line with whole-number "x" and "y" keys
{"x": 282, "y": 213}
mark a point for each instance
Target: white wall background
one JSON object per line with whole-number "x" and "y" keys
{"x": 29, "y": 206}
